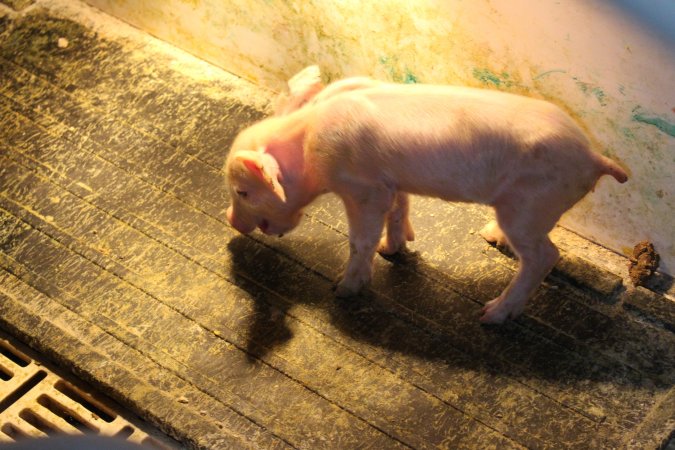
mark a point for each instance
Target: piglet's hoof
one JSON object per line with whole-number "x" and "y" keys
{"x": 342, "y": 290}
{"x": 497, "y": 311}
{"x": 495, "y": 237}
{"x": 389, "y": 248}
{"x": 349, "y": 287}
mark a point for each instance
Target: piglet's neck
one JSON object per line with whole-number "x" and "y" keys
{"x": 286, "y": 145}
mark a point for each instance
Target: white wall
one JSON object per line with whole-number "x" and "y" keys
{"x": 611, "y": 64}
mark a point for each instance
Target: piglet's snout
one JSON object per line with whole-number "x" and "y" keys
{"x": 237, "y": 224}
{"x": 264, "y": 226}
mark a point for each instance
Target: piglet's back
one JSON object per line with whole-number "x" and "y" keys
{"x": 452, "y": 142}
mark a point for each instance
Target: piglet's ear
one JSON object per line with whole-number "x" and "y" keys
{"x": 265, "y": 168}
{"x": 254, "y": 167}
{"x": 302, "y": 87}
{"x": 305, "y": 80}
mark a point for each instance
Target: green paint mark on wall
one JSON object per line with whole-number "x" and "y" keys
{"x": 399, "y": 76}
{"x": 387, "y": 63}
{"x": 658, "y": 122}
{"x": 486, "y": 76}
{"x": 547, "y": 73}
{"x": 600, "y": 95}
{"x": 627, "y": 132}
{"x": 409, "y": 77}
{"x": 593, "y": 90}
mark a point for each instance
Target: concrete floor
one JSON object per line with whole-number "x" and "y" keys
{"x": 117, "y": 262}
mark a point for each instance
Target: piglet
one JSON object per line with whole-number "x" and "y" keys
{"x": 374, "y": 143}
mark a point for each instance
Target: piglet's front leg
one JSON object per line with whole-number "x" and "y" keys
{"x": 366, "y": 211}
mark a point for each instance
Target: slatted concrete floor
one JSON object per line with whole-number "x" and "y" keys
{"x": 38, "y": 402}
{"x": 117, "y": 261}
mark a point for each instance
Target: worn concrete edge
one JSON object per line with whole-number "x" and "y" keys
{"x": 150, "y": 402}
{"x": 587, "y": 275}
{"x": 609, "y": 260}
{"x": 651, "y": 306}
{"x": 608, "y": 288}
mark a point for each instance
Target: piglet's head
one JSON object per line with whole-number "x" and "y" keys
{"x": 258, "y": 199}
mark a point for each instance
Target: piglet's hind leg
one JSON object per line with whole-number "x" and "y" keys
{"x": 528, "y": 237}
{"x": 399, "y": 229}
{"x": 536, "y": 262}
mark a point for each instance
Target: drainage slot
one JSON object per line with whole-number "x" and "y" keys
{"x": 39, "y": 422}
{"x": 22, "y": 390}
{"x": 66, "y": 414}
{"x": 38, "y": 401}
{"x": 125, "y": 432}
{"x": 95, "y": 408}
{"x": 13, "y": 355}
{"x": 152, "y": 443}
{"x": 13, "y": 432}
{"x": 5, "y": 375}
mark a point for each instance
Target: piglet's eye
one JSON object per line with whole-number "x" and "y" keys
{"x": 242, "y": 194}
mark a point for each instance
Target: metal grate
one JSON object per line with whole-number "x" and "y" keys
{"x": 35, "y": 401}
